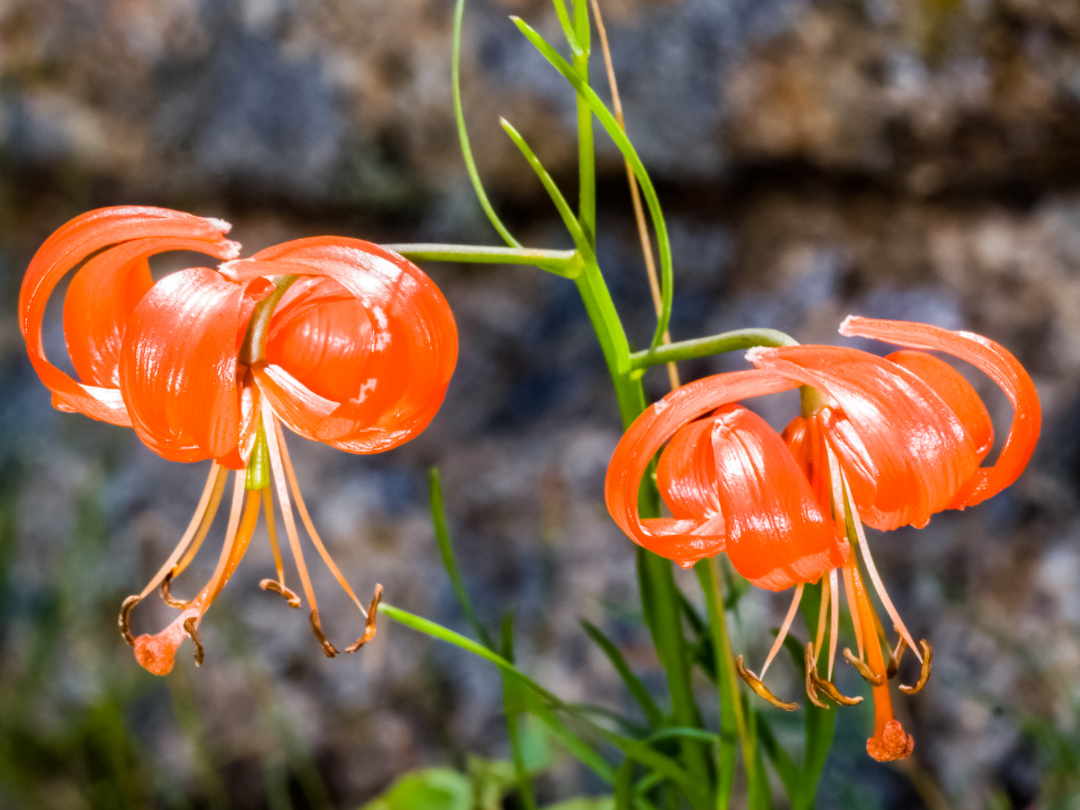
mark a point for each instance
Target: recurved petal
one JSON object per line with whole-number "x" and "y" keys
{"x": 178, "y": 367}
{"x": 686, "y": 474}
{"x": 70, "y": 245}
{"x": 394, "y": 375}
{"x": 917, "y": 446}
{"x": 777, "y": 535}
{"x": 677, "y": 540}
{"x": 998, "y": 364}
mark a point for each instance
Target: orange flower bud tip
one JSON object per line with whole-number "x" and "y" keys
{"x": 157, "y": 654}
{"x": 891, "y": 744}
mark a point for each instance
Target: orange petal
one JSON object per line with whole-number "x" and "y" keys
{"x": 998, "y": 364}
{"x": 675, "y": 539}
{"x": 903, "y": 430}
{"x": 178, "y": 368}
{"x": 777, "y": 535}
{"x": 686, "y": 473}
{"x": 67, "y": 248}
{"x": 408, "y": 359}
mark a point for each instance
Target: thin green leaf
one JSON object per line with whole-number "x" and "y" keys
{"x": 572, "y": 225}
{"x": 782, "y": 763}
{"x": 633, "y": 683}
{"x": 463, "y": 135}
{"x": 446, "y": 551}
{"x": 820, "y": 723}
{"x": 567, "y": 26}
{"x": 611, "y": 125}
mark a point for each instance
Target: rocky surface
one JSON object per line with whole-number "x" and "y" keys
{"x": 900, "y": 159}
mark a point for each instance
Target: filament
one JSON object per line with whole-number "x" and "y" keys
{"x": 784, "y": 628}
{"x": 834, "y": 627}
{"x": 215, "y": 482}
{"x": 306, "y": 518}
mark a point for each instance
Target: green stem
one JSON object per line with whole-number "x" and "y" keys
{"x": 586, "y": 145}
{"x": 659, "y": 593}
{"x": 253, "y": 348}
{"x": 707, "y": 346}
{"x": 565, "y": 263}
{"x": 732, "y": 717}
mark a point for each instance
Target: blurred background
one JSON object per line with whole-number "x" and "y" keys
{"x": 914, "y": 159}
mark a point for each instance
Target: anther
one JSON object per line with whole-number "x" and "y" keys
{"x": 125, "y": 619}
{"x": 762, "y": 691}
{"x": 810, "y": 659}
{"x": 829, "y": 688}
{"x": 924, "y": 675}
{"x": 166, "y": 593}
{"x": 894, "y": 659}
{"x": 316, "y": 628}
{"x": 193, "y": 634}
{"x": 868, "y": 674}
{"x": 277, "y": 587}
{"x": 369, "y": 624}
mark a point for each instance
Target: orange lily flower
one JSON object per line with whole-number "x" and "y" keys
{"x": 888, "y": 441}
{"x": 341, "y": 340}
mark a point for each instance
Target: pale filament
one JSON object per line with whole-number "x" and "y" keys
{"x": 282, "y": 487}
{"x": 306, "y": 518}
{"x": 208, "y": 502}
{"x": 834, "y": 624}
{"x": 823, "y": 611}
{"x": 784, "y": 628}
{"x": 204, "y": 527}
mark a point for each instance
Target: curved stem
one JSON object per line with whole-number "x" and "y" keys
{"x": 706, "y": 346}
{"x": 565, "y": 263}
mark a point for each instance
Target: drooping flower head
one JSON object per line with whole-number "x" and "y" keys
{"x": 886, "y": 441}
{"x": 343, "y": 341}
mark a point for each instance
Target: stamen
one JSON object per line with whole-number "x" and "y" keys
{"x": 823, "y": 611}
{"x": 784, "y": 628}
{"x": 834, "y": 628}
{"x": 190, "y": 625}
{"x": 847, "y": 517}
{"x": 278, "y": 585}
{"x": 810, "y": 659}
{"x": 762, "y": 691}
{"x": 316, "y": 628}
{"x": 894, "y": 658}
{"x": 200, "y": 523}
{"x": 856, "y": 621}
{"x": 829, "y": 688}
{"x": 879, "y": 586}
{"x": 306, "y": 518}
{"x": 924, "y": 674}
{"x": 125, "y": 619}
{"x": 863, "y": 668}
{"x": 282, "y": 487}
{"x": 166, "y": 594}
{"x": 369, "y": 622}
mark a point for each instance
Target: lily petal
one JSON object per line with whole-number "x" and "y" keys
{"x": 178, "y": 368}
{"x": 998, "y": 364}
{"x": 412, "y": 352}
{"x": 675, "y": 539}
{"x": 920, "y": 450}
{"x": 70, "y": 245}
{"x": 777, "y": 535}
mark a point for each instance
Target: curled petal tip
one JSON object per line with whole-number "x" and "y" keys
{"x": 219, "y": 224}
{"x": 752, "y": 355}
{"x": 849, "y": 324}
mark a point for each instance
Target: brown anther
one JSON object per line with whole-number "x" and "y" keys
{"x": 810, "y": 659}
{"x": 125, "y": 619}
{"x": 924, "y": 674}
{"x": 829, "y": 688}
{"x": 762, "y": 691}
{"x": 863, "y": 668}
{"x": 316, "y": 628}
{"x": 193, "y": 634}
{"x": 290, "y": 595}
{"x": 166, "y": 593}
{"x": 369, "y": 625}
{"x": 894, "y": 659}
